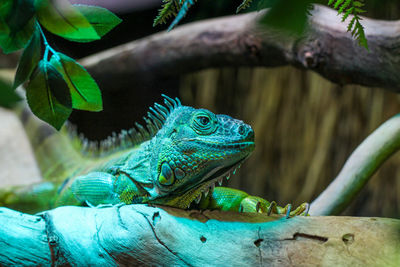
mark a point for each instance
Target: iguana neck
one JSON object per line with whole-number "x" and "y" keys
{"x": 136, "y": 165}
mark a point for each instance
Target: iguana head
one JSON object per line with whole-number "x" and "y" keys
{"x": 193, "y": 150}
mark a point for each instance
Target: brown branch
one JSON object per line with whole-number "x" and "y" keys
{"x": 160, "y": 236}
{"x": 238, "y": 41}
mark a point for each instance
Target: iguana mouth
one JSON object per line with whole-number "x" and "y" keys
{"x": 222, "y": 145}
{"x": 184, "y": 198}
{"x": 207, "y": 186}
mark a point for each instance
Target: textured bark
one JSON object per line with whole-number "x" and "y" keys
{"x": 144, "y": 235}
{"x": 239, "y": 41}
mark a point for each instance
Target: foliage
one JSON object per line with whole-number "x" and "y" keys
{"x": 245, "y": 4}
{"x": 173, "y": 8}
{"x": 260, "y": 4}
{"x": 352, "y": 7}
{"x": 56, "y": 83}
{"x": 296, "y": 12}
{"x": 287, "y": 15}
{"x": 7, "y": 95}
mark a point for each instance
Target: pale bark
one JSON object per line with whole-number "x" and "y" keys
{"x": 358, "y": 169}
{"x": 152, "y": 236}
{"x": 237, "y": 41}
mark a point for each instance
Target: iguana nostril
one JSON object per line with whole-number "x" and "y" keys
{"x": 242, "y": 130}
{"x": 246, "y": 131}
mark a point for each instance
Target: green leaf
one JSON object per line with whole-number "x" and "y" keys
{"x": 100, "y": 18}
{"x": 7, "y": 95}
{"x": 61, "y": 18}
{"x": 347, "y": 14}
{"x": 5, "y": 8}
{"x": 183, "y": 10}
{"x": 29, "y": 59}
{"x": 351, "y": 24}
{"x": 338, "y": 3}
{"x": 245, "y": 4}
{"x": 4, "y": 30}
{"x": 358, "y": 4}
{"x": 168, "y": 10}
{"x": 84, "y": 91}
{"x": 289, "y": 15}
{"x": 17, "y": 23}
{"x": 344, "y": 6}
{"x": 44, "y": 92}
{"x": 360, "y": 35}
{"x": 20, "y": 14}
{"x": 16, "y": 40}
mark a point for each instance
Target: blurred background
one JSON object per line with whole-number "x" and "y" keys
{"x": 305, "y": 126}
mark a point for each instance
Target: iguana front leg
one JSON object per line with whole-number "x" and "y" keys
{"x": 100, "y": 188}
{"x": 229, "y": 199}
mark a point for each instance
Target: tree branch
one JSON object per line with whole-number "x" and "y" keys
{"x": 144, "y": 235}
{"x": 239, "y": 41}
{"x": 359, "y": 168}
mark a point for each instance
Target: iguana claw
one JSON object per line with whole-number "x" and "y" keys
{"x": 288, "y": 209}
{"x": 271, "y": 206}
{"x": 301, "y": 210}
{"x": 260, "y": 205}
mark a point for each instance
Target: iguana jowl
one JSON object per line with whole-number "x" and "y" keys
{"x": 176, "y": 162}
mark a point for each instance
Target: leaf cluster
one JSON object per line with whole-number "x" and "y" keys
{"x": 173, "y": 8}
{"x": 56, "y": 83}
{"x": 286, "y": 15}
{"x": 8, "y": 97}
{"x": 354, "y": 8}
{"x": 289, "y": 15}
{"x": 261, "y": 4}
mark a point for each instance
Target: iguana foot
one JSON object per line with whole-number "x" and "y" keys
{"x": 229, "y": 199}
{"x": 260, "y": 205}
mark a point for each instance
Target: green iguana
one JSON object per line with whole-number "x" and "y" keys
{"x": 176, "y": 162}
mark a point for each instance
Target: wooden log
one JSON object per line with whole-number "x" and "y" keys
{"x": 161, "y": 236}
{"x": 237, "y": 41}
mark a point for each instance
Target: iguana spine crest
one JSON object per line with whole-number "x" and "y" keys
{"x": 156, "y": 117}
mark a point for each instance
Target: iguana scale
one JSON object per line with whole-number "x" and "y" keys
{"x": 176, "y": 162}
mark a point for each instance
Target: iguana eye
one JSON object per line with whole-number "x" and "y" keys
{"x": 204, "y": 122}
